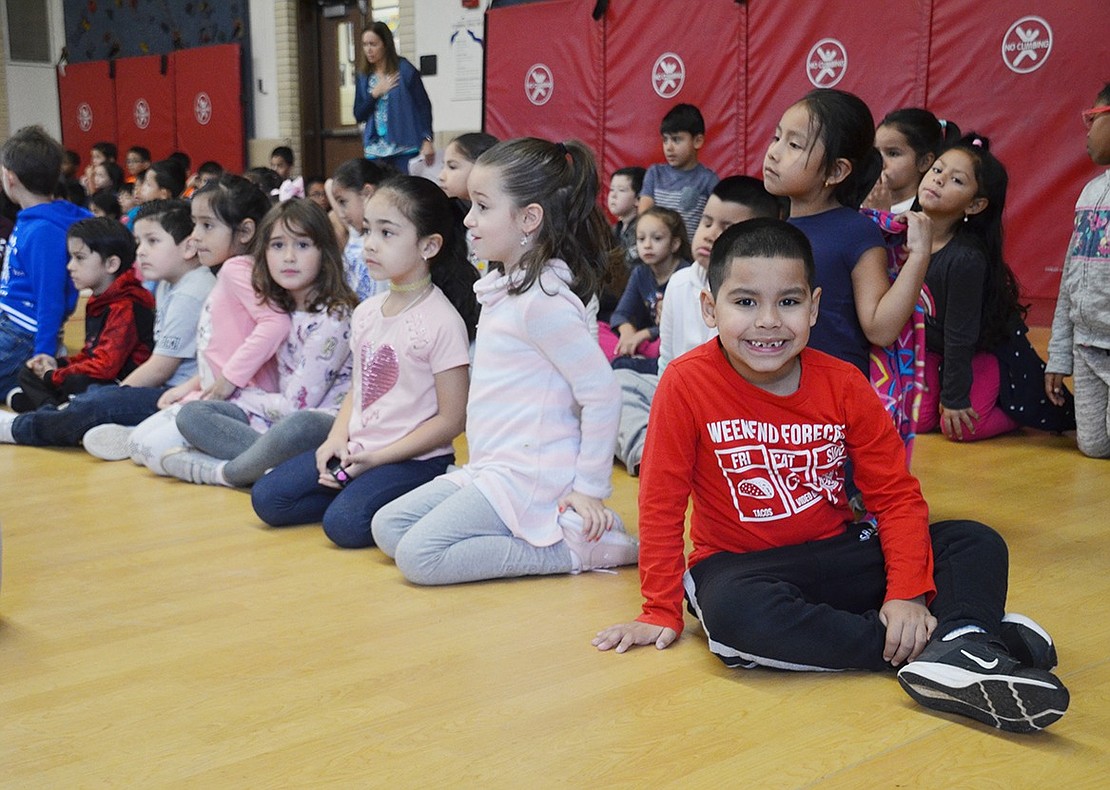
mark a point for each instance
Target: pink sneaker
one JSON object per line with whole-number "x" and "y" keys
{"x": 613, "y": 549}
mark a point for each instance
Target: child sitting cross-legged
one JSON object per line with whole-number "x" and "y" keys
{"x": 119, "y": 319}
{"x": 780, "y": 575}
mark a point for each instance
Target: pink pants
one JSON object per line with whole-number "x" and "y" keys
{"x": 984, "y": 398}
{"x": 607, "y": 339}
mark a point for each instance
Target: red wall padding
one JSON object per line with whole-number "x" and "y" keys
{"x": 209, "y": 108}
{"x": 650, "y": 67}
{"x": 1032, "y": 118}
{"x": 145, "y": 105}
{"x": 193, "y": 106}
{"x": 745, "y": 63}
{"x": 88, "y": 107}
{"x": 876, "y": 51}
{"x": 544, "y": 67}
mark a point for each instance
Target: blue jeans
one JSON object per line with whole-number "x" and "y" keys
{"x": 17, "y": 345}
{"x": 290, "y": 494}
{"x": 65, "y": 426}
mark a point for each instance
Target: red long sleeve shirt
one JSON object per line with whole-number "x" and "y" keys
{"x": 767, "y": 471}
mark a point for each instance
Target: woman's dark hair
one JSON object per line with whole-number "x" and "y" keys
{"x": 843, "y": 123}
{"x": 234, "y": 199}
{"x": 562, "y": 179}
{"x": 169, "y": 175}
{"x": 106, "y": 202}
{"x": 330, "y": 293}
{"x": 473, "y": 144}
{"x": 106, "y": 237}
{"x": 425, "y": 205}
{"x": 924, "y": 132}
{"x": 392, "y": 63}
{"x": 1001, "y": 291}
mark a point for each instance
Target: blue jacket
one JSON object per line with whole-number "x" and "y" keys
{"x": 35, "y": 290}
{"x": 409, "y": 113}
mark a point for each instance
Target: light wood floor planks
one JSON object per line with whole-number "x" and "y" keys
{"x": 153, "y": 634}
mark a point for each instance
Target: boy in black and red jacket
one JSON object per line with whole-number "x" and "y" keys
{"x": 119, "y": 319}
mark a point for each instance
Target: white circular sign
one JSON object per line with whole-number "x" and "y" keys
{"x": 668, "y": 75}
{"x": 826, "y": 63}
{"x": 142, "y": 114}
{"x": 1026, "y": 45}
{"x": 539, "y": 84}
{"x": 84, "y": 116}
{"x": 202, "y": 108}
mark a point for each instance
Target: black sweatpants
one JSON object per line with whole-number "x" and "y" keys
{"x": 815, "y": 606}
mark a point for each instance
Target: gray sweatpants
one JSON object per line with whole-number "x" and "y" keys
{"x": 221, "y": 430}
{"x": 637, "y": 391}
{"x": 1091, "y": 378}
{"x": 442, "y": 534}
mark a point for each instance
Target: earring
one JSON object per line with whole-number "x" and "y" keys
{"x": 525, "y": 239}
{"x": 966, "y": 217}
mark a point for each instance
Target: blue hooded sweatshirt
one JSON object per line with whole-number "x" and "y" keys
{"x": 35, "y": 290}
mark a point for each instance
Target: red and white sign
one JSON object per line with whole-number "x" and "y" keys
{"x": 668, "y": 75}
{"x": 1027, "y": 44}
{"x": 826, "y": 63}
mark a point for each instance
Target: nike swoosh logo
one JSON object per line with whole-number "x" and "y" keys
{"x": 981, "y": 662}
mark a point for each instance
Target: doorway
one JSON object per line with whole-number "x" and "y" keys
{"x": 330, "y": 52}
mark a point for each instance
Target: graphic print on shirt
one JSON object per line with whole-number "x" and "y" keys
{"x": 380, "y": 371}
{"x": 774, "y": 471}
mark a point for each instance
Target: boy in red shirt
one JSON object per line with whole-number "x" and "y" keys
{"x": 757, "y": 429}
{"x": 119, "y": 319}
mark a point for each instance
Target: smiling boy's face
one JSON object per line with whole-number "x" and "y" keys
{"x": 763, "y": 312}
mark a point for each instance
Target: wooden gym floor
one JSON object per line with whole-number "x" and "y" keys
{"x": 154, "y": 634}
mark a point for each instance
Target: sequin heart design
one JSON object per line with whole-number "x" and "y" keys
{"x": 379, "y": 373}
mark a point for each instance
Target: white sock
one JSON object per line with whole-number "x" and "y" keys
{"x": 6, "y": 421}
{"x": 967, "y": 629}
{"x": 219, "y": 474}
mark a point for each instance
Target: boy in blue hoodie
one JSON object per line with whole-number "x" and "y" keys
{"x": 36, "y": 294}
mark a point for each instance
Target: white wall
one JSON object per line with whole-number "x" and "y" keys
{"x": 264, "y": 90}
{"x": 32, "y": 88}
{"x": 455, "y": 91}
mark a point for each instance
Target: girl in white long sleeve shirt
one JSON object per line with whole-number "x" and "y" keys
{"x": 544, "y": 405}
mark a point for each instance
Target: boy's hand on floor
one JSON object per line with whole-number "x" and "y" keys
{"x": 625, "y": 635}
{"x": 909, "y": 624}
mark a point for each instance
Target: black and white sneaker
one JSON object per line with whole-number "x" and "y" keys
{"x": 974, "y": 676}
{"x": 1027, "y": 642}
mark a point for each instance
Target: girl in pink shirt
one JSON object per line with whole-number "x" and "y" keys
{"x": 238, "y": 333}
{"x": 544, "y": 403}
{"x": 407, "y": 401}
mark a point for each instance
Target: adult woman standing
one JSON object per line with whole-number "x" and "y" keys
{"x": 391, "y": 101}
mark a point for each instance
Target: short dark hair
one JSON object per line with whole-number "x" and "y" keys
{"x": 210, "y": 168}
{"x": 35, "y": 157}
{"x": 762, "y": 237}
{"x": 142, "y": 152}
{"x": 683, "y": 118}
{"x": 106, "y": 202}
{"x": 750, "y": 192}
{"x": 1104, "y": 94}
{"x": 106, "y": 237}
{"x": 285, "y": 152}
{"x": 108, "y": 150}
{"x": 634, "y": 174}
{"x": 168, "y": 175}
{"x": 173, "y": 215}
